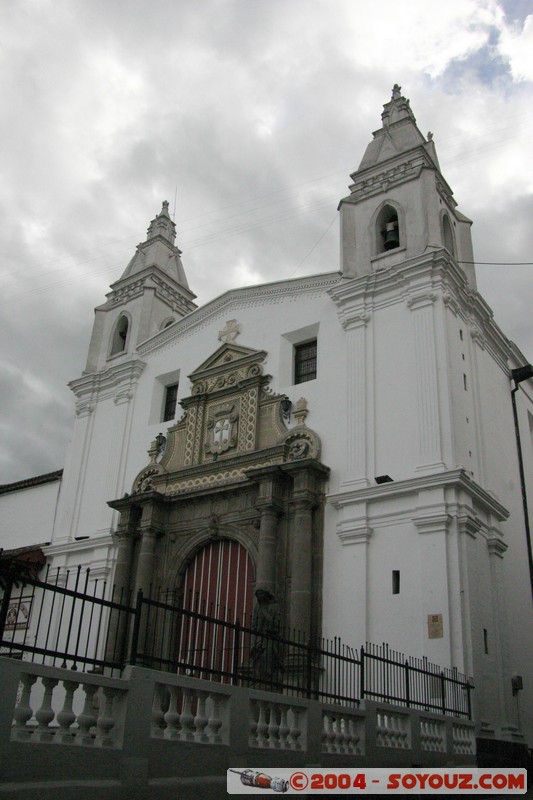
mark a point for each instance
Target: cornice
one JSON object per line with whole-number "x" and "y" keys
{"x": 379, "y": 177}
{"x": 457, "y": 478}
{"x": 144, "y": 274}
{"x": 111, "y": 377}
{"x": 83, "y": 546}
{"x": 496, "y": 547}
{"x": 235, "y": 299}
{"x": 349, "y": 533}
{"x": 419, "y": 281}
{"x": 29, "y": 483}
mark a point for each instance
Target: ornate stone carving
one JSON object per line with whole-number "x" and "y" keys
{"x": 222, "y": 429}
{"x": 299, "y": 448}
{"x": 301, "y": 442}
{"x": 144, "y": 480}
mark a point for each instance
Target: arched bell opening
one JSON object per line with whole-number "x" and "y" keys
{"x": 447, "y": 235}
{"x": 387, "y": 229}
{"x": 119, "y": 338}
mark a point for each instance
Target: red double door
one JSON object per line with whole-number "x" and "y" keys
{"x": 218, "y": 588}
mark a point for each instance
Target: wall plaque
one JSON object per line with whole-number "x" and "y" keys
{"x": 435, "y": 626}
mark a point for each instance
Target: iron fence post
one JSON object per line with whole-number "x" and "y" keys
{"x": 443, "y": 690}
{"x": 407, "y": 691}
{"x": 469, "y": 698}
{"x": 136, "y": 627}
{"x": 236, "y": 645}
{"x": 309, "y": 670}
{"x": 8, "y": 588}
{"x": 362, "y": 673}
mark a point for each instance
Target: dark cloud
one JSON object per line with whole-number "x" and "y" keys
{"x": 255, "y": 113}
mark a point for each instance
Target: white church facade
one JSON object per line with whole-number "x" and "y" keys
{"x": 343, "y": 441}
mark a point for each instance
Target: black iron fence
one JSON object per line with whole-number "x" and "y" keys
{"x": 75, "y": 621}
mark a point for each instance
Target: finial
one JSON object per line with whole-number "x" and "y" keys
{"x": 430, "y": 136}
{"x": 300, "y": 411}
{"x": 396, "y": 92}
{"x": 164, "y": 208}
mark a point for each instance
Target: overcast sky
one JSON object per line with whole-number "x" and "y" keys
{"x": 252, "y": 114}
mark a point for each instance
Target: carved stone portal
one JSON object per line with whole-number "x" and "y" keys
{"x": 231, "y": 459}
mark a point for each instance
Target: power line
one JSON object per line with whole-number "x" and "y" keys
{"x": 500, "y": 263}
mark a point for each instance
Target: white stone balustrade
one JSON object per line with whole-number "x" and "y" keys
{"x": 342, "y": 733}
{"x": 54, "y": 708}
{"x": 189, "y": 714}
{"x": 276, "y": 725}
{"x": 161, "y": 724}
{"x": 392, "y": 729}
{"x": 432, "y": 735}
{"x": 464, "y": 742}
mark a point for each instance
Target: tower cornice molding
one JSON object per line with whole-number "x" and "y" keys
{"x": 132, "y": 285}
{"x": 456, "y": 478}
{"x": 350, "y": 534}
{"x": 422, "y": 280}
{"x": 123, "y": 375}
{"x": 398, "y": 169}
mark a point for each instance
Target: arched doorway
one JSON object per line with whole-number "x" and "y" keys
{"x": 218, "y": 585}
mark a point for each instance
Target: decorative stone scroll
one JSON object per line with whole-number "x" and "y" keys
{"x": 232, "y": 423}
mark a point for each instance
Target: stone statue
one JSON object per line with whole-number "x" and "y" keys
{"x": 265, "y": 647}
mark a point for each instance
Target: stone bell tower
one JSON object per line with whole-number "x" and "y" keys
{"x": 151, "y": 294}
{"x": 400, "y": 206}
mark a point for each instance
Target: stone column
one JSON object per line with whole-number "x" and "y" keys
{"x": 308, "y": 480}
{"x": 301, "y": 564}
{"x": 266, "y": 561}
{"x": 145, "y": 566}
{"x": 270, "y": 505}
{"x": 118, "y": 621}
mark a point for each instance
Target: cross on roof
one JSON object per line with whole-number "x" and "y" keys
{"x": 230, "y": 332}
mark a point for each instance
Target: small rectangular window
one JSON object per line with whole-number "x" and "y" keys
{"x": 464, "y": 382}
{"x": 486, "y": 641}
{"x": 171, "y": 399}
{"x": 305, "y": 361}
{"x": 396, "y": 581}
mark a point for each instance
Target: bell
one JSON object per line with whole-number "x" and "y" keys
{"x": 392, "y": 239}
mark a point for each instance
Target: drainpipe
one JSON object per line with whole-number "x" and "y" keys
{"x": 518, "y": 375}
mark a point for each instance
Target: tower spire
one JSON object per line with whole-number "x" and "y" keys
{"x": 159, "y": 250}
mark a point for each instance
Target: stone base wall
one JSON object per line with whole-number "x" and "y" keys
{"x": 66, "y": 734}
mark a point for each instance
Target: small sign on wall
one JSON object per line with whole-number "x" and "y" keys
{"x": 18, "y": 614}
{"x": 435, "y": 626}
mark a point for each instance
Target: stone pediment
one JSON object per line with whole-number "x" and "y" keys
{"x": 233, "y": 423}
{"x": 228, "y": 357}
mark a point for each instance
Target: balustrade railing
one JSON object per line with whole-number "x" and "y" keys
{"x": 73, "y": 621}
{"x": 60, "y": 706}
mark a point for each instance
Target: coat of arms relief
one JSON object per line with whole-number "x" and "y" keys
{"x": 222, "y": 429}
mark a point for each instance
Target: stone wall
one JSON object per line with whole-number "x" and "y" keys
{"x": 66, "y": 734}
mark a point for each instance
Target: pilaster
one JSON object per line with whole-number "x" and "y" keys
{"x": 308, "y": 476}
{"x": 427, "y": 390}
{"x": 269, "y": 503}
{"x": 354, "y": 318}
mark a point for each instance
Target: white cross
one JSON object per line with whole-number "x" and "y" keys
{"x": 230, "y": 332}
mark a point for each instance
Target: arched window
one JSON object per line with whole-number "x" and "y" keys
{"x": 120, "y": 335}
{"x": 387, "y": 230}
{"x": 166, "y": 323}
{"x": 447, "y": 235}
{"x": 218, "y": 582}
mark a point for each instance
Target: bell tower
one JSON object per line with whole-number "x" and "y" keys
{"x": 151, "y": 293}
{"x": 400, "y": 206}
